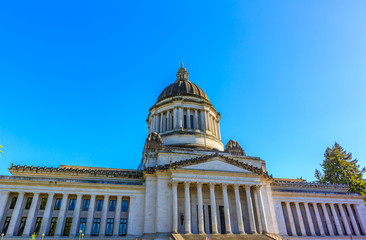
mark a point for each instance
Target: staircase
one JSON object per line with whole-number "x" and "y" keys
{"x": 177, "y": 236}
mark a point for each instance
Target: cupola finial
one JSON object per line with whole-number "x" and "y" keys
{"x": 182, "y": 74}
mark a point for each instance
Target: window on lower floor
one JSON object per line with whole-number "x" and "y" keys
{"x": 112, "y": 205}
{"x": 86, "y": 204}
{"x": 96, "y": 224}
{"x": 67, "y": 228}
{"x": 37, "y": 226}
{"x": 72, "y": 204}
{"x": 109, "y": 229}
{"x": 6, "y": 225}
{"x": 123, "y": 227}
{"x": 82, "y": 226}
{"x": 124, "y": 205}
{"x": 13, "y": 202}
{"x": 52, "y": 226}
{"x": 43, "y": 204}
{"x": 21, "y": 226}
{"x": 99, "y": 205}
{"x": 58, "y": 203}
{"x": 28, "y": 203}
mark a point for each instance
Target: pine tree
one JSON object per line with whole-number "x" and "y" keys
{"x": 338, "y": 167}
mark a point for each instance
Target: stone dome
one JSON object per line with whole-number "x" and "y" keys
{"x": 182, "y": 87}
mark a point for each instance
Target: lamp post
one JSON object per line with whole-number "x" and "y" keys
{"x": 2, "y": 235}
{"x": 80, "y": 232}
{"x": 82, "y": 236}
{"x": 42, "y": 236}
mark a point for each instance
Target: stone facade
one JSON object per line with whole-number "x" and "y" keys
{"x": 187, "y": 185}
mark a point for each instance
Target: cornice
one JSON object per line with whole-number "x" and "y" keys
{"x": 288, "y": 183}
{"x": 72, "y": 171}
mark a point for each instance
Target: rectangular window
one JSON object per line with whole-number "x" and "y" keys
{"x": 112, "y": 205}
{"x": 96, "y": 224}
{"x": 43, "y": 204}
{"x": 222, "y": 219}
{"x": 185, "y": 121}
{"x": 86, "y": 204}
{"x": 13, "y": 202}
{"x": 52, "y": 226}
{"x": 82, "y": 226}
{"x": 58, "y": 203}
{"x": 28, "y": 203}
{"x": 172, "y": 123}
{"x": 124, "y": 205}
{"x": 72, "y": 204}
{"x": 67, "y": 226}
{"x": 6, "y": 225}
{"x": 192, "y": 123}
{"x": 99, "y": 205}
{"x": 109, "y": 229}
{"x": 123, "y": 227}
{"x": 209, "y": 219}
{"x": 21, "y": 226}
{"x": 37, "y": 226}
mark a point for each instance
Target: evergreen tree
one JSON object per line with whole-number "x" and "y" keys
{"x": 338, "y": 167}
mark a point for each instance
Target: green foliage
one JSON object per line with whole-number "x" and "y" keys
{"x": 338, "y": 167}
{"x": 1, "y": 147}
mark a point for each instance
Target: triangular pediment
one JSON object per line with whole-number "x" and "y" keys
{"x": 216, "y": 164}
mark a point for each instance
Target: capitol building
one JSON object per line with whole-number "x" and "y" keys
{"x": 188, "y": 185}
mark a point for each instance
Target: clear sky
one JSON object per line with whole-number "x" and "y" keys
{"x": 77, "y": 77}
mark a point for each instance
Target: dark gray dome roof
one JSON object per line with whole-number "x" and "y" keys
{"x": 182, "y": 87}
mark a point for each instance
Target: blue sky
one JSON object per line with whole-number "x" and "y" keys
{"x": 77, "y": 77}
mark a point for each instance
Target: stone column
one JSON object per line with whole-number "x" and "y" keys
{"x": 261, "y": 209}
{"x": 250, "y": 209}
{"x": 168, "y": 121}
{"x": 213, "y": 208}
{"x": 214, "y": 126}
{"x": 103, "y": 220}
{"x": 61, "y": 216}
{"x": 187, "y": 206}
{"x": 47, "y": 214}
{"x": 175, "y": 207}
{"x": 203, "y": 121}
{"x": 327, "y": 220}
{"x": 15, "y": 216}
{"x": 181, "y": 115}
{"x": 344, "y": 220}
{"x": 117, "y": 216}
{"x": 318, "y": 219}
{"x": 226, "y": 208}
{"x": 208, "y": 121}
{"x": 157, "y": 123}
{"x": 196, "y": 123}
{"x": 291, "y": 219}
{"x": 336, "y": 220}
{"x": 161, "y": 122}
{"x": 360, "y": 219}
{"x": 175, "y": 116}
{"x": 353, "y": 220}
{"x": 76, "y": 215}
{"x": 310, "y": 221}
{"x": 89, "y": 220}
{"x": 3, "y": 199}
{"x": 218, "y": 129}
{"x": 260, "y": 228}
{"x": 31, "y": 214}
{"x": 188, "y": 118}
{"x": 201, "y": 227}
{"x": 239, "y": 213}
{"x": 301, "y": 220}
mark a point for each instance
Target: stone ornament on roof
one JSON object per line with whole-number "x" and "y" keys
{"x": 295, "y": 183}
{"x": 153, "y": 142}
{"x": 234, "y": 148}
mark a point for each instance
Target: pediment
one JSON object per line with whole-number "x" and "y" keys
{"x": 216, "y": 165}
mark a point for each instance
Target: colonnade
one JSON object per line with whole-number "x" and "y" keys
{"x": 331, "y": 219}
{"x": 186, "y": 118}
{"x": 258, "y": 201}
{"x": 71, "y": 207}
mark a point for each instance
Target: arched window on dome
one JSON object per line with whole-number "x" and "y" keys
{"x": 185, "y": 121}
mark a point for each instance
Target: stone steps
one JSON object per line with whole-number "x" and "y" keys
{"x": 222, "y": 237}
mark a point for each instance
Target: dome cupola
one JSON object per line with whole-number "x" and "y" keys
{"x": 184, "y": 117}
